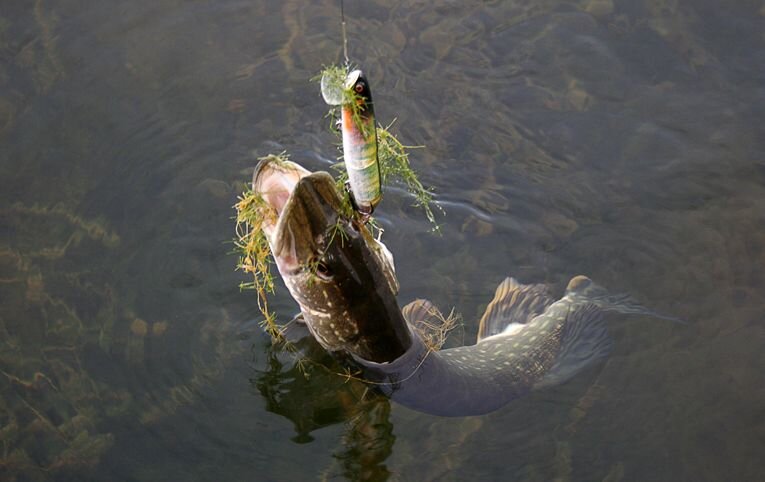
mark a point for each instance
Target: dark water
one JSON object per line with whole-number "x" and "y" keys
{"x": 619, "y": 139}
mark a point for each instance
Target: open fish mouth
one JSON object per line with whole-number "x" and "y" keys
{"x": 275, "y": 180}
{"x": 299, "y": 207}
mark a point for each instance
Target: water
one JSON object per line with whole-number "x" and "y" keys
{"x": 622, "y": 140}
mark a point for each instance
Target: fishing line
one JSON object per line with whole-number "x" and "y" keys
{"x": 345, "y": 36}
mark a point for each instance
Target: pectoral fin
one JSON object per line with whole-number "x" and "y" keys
{"x": 513, "y": 303}
{"x": 428, "y": 322}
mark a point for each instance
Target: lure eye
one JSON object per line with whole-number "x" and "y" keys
{"x": 359, "y": 87}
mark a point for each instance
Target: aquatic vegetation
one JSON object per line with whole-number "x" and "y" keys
{"x": 394, "y": 165}
{"x": 434, "y": 329}
{"x": 43, "y": 61}
{"x": 251, "y": 245}
{"x": 61, "y": 324}
{"x": 333, "y": 87}
{"x": 50, "y": 406}
{"x": 252, "y": 211}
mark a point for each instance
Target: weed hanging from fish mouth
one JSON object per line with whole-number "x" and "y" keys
{"x": 255, "y": 258}
{"x": 252, "y": 213}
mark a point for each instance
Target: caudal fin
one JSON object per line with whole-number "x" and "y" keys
{"x": 582, "y": 289}
{"x": 584, "y": 341}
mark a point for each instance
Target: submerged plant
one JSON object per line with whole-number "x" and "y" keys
{"x": 63, "y": 311}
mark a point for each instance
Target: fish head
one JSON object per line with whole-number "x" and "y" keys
{"x": 333, "y": 267}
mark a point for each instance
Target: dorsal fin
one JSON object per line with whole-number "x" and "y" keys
{"x": 513, "y": 303}
{"x": 584, "y": 340}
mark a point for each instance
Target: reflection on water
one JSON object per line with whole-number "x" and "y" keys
{"x": 314, "y": 393}
{"x": 618, "y": 139}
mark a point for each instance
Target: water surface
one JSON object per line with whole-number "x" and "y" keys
{"x": 618, "y": 139}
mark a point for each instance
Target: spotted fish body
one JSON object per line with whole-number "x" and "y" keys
{"x": 554, "y": 341}
{"x": 340, "y": 276}
{"x": 336, "y": 273}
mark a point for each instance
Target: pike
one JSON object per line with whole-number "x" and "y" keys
{"x": 344, "y": 282}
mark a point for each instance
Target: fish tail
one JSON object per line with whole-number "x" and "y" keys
{"x": 584, "y": 341}
{"x": 582, "y": 289}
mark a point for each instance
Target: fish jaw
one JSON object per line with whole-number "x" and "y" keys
{"x": 301, "y": 204}
{"x": 331, "y": 265}
{"x": 274, "y": 180}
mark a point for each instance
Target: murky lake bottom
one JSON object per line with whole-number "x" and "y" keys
{"x": 621, "y": 140}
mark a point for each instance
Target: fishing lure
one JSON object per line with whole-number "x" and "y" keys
{"x": 357, "y": 125}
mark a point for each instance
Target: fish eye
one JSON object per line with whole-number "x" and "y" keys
{"x": 323, "y": 271}
{"x": 359, "y": 87}
{"x": 319, "y": 268}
